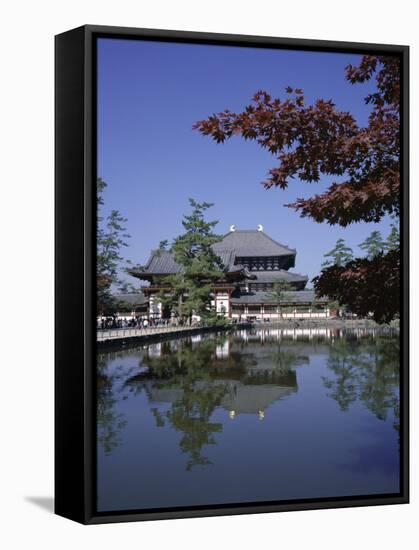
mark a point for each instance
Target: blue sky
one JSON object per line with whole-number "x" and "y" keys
{"x": 149, "y": 96}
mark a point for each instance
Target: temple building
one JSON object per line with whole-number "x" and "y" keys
{"x": 253, "y": 262}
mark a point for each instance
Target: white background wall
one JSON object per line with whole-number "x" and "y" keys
{"x": 27, "y": 268}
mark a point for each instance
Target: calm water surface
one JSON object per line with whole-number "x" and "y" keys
{"x": 256, "y": 415}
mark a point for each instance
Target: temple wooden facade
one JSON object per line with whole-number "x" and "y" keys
{"x": 253, "y": 262}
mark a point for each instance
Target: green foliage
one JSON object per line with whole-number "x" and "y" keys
{"x": 393, "y": 239}
{"x": 284, "y": 360}
{"x": 111, "y": 237}
{"x": 109, "y": 423}
{"x": 125, "y": 287}
{"x": 368, "y": 286}
{"x": 189, "y": 291}
{"x": 213, "y": 319}
{"x": 366, "y": 370}
{"x": 277, "y": 293}
{"x": 190, "y": 413}
{"x": 163, "y": 246}
{"x": 339, "y": 255}
{"x": 198, "y": 390}
{"x": 374, "y": 245}
{"x": 334, "y": 304}
{"x": 360, "y": 370}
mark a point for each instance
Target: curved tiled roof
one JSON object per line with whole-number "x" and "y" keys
{"x": 251, "y": 242}
{"x": 162, "y": 262}
{"x": 281, "y": 274}
{"x": 290, "y": 297}
{"x": 235, "y": 244}
{"x": 228, "y": 257}
{"x": 132, "y": 298}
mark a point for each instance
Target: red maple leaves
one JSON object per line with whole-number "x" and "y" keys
{"x": 318, "y": 139}
{"x": 309, "y": 141}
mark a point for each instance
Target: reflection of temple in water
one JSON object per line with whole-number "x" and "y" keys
{"x": 251, "y": 399}
{"x": 248, "y": 370}
{"x": 245, "y": 382}
{"x": 197, "y": 386}
{"x": 239, "y": 397}
{"x": 268, "y": 334}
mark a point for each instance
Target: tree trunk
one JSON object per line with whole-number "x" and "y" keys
{"x": 180, "y": 309}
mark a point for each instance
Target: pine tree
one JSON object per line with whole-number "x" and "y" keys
{"x": 111, "y": 237}
{"x": 163, "y": 247}
{"x": 126, "y": 287}
{"x": 277, "y": 293}
{"x": 393, "y": 239}
{"x": 189, "y": 291}
{"x": 339, "y": 255}
{"x": 373, "y": 245}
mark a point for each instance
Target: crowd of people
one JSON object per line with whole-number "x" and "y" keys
{"x": 106, "y": 323}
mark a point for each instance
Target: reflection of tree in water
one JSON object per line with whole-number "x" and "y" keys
{"x": 195, "y": 382}
{"x": 341, "y": 362}
{"x": 380, "y": 378}
{"x": 284, "y": 360}
{"x": 108, "y": 423}
{"x": 367, "y": 369}
{"x": 185, "y": 374}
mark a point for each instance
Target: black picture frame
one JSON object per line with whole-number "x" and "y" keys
{"x": 75, "y": 206}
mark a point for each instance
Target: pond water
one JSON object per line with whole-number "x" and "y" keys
{"x": 256, "y": 415}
